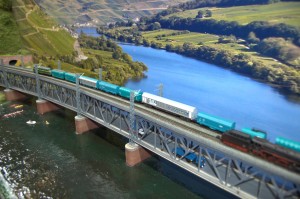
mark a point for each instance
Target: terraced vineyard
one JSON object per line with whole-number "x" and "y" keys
{"x": 40, "y": 34}
{"x": 102, "y": 11}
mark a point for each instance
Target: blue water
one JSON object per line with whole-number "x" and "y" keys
{"x": 216, "y": 91}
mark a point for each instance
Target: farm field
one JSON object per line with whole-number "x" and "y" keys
{"x": 282, "y": 12}
{"x": 198, "y": 39}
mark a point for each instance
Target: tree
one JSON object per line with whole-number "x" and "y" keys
{"x": 208, "y": 13}
{"x": 252, "y": 38}
{"x": 200, "y": 14}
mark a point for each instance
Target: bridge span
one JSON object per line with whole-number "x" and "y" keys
{"x": 238, "y": 173}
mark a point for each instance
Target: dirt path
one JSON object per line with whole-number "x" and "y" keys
{"x": 77, "y": 48}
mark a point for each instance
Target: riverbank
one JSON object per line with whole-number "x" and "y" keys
{"x": 234, "y": 56}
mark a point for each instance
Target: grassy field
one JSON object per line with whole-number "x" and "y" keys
{"x": 198, "y": 39}
{"x": 192, "y": 37}
{"x": 282, "y": 12}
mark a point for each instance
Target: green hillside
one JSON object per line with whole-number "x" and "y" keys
{"x": 282, "y": 12}
{"x": 10, "y": 38}
{"x": 40, "y": 34}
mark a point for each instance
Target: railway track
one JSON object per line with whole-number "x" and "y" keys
{"x": 191, "y": 126}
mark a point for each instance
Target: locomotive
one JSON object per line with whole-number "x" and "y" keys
{"x": 261, "y": 147}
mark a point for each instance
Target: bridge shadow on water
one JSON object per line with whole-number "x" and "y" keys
{"x": 193, "y": 183}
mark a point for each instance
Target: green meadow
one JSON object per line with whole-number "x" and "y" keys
{"x": 282, "y": 12}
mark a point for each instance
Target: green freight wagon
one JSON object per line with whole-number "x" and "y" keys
{"x": 215, "y": 123}
{"x": 125, "y": 92}
{"x": 108, "y": 87}
{"x": 60, "y": 74}
{"x": 71, "y": 77}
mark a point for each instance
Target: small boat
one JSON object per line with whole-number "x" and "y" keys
{"x": 31, "y": 122}
{"x": 47, "y": 122}
{"x": 12, "y": 114}
{"x": 19, "y": 106}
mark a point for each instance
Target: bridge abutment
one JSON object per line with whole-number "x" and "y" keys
{"x": 13, "y": 95}
{"x": 44, "y": 106}
{"x": 84, "y": 124}
{"x": 135, "y": 154}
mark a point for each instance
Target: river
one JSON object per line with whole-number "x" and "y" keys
{"x": 48, "y": 160}
{"x": 217, "y": 91}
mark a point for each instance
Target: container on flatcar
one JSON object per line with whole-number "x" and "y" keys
{"x": 43, "y": 70}
{"x": 71, "y": 77}
{"x": 170, "y": 106}
{"x": 60, "y": 74}
{"x": 215, "y": 123}
{"x": 288, "y": 143}
{"x": 108, "y": 87}
{"x": 88, "y": 81}
{"x": 255, "y": 133}
{"x": 125, "y": 92}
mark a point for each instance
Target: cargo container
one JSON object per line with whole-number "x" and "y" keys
{"x": 60, "y": 74}
{"x": 88, "y": 81}
{"x": 71, "y": 77}
{"x": 125, "y": 92}
{"x": 255, "y": 133}
{"x": 108, "y": 87}
{"x": 288, "y": 143}
{"x": 215, "y": 123}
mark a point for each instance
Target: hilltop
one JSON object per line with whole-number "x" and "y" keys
{"x": 103, "y": 11}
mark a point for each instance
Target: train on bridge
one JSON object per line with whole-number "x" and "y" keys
{"x": 284, "y": 152}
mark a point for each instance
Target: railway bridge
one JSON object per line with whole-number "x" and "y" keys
{"x": 150, "y": 131}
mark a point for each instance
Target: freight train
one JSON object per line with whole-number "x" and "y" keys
{"x": 247, "y": 140}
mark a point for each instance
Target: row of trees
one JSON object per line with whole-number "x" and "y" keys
{"x": 261, "y": 29}
{"x": 210, "y": 3}
{"x": 115, "y": 74}
{"x": 278, "y": 48}
{"x": 285, "y": 77}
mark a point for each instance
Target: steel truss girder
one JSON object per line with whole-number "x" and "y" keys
{"x": 18, "y": 81}
{"x": 238, "y": 177}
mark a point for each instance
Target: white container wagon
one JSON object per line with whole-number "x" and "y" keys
{"x": 88, "y": 81}
{"x": 171, "y": 106}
